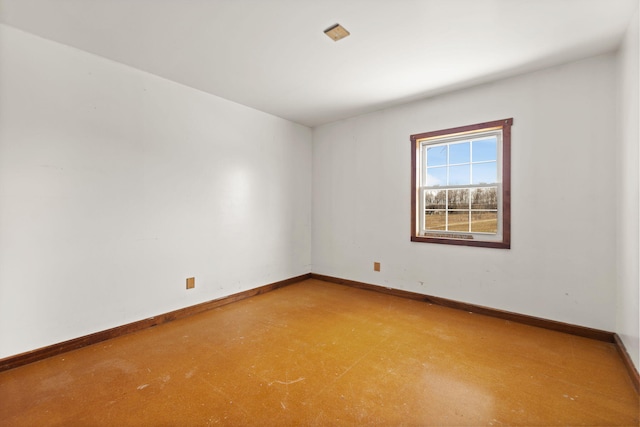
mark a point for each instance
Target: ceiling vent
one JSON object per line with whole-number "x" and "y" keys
{"x": 336, "y": 32}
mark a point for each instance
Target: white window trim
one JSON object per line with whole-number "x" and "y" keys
{"x": 446, "y": 140}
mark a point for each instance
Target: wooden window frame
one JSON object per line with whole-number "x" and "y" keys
{"x": 505, "y": 219}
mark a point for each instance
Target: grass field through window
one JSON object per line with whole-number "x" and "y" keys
{"x": 481, "y": 222}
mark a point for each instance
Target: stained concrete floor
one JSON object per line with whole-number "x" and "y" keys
{"x": 316, "y": 353}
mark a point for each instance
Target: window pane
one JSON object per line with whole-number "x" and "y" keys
{"x": 436, "y": 176}
{"x": 437, "y": 156}
{"x": 459, "y": 153}
{"x": 484, "y": 222}
{"x": 484, "y": 198}
{"x": 458, "y": 199}
{"x": 459, "y": 175}
{"x": 435, "y": 199}
{"x": 485, "y": 173}
{"x": 459, "y": 221}
{"x": 435, "y": 220}
{"x": 485, "y": 149}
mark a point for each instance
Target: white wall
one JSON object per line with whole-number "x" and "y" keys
{"x": 562, "y": 263}
{"x": 117, "y": 185}
{"x": 628, "y": 314}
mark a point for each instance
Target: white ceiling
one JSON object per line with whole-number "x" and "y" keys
{"x": 272, "y": 55}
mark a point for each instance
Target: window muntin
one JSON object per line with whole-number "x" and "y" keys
{"x": 461, "y": 185}
{"x": 464, "y": 171}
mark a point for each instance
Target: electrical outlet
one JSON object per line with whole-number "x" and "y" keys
{"x": 376, "y": 266}
{"x": 191, "y": 282}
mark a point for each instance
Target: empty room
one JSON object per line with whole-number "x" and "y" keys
{"x": 329, "y": 212}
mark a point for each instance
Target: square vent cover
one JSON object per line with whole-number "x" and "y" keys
{"x": 336, "y": 32}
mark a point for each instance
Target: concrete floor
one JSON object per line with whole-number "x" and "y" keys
{"x": 316, "y": 353}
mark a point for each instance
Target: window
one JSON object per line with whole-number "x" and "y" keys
{"x": 460, "y": 185}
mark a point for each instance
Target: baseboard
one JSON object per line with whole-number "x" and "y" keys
{"x": 582, "y": 331}
{"x": 568, "y": 328}
{"x": 76, "y": 343}
{"x": 628, "y": 363}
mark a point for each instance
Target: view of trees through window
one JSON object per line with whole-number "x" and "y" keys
{"x": 464, "y": 209}
{"x": 472, "y": 163}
